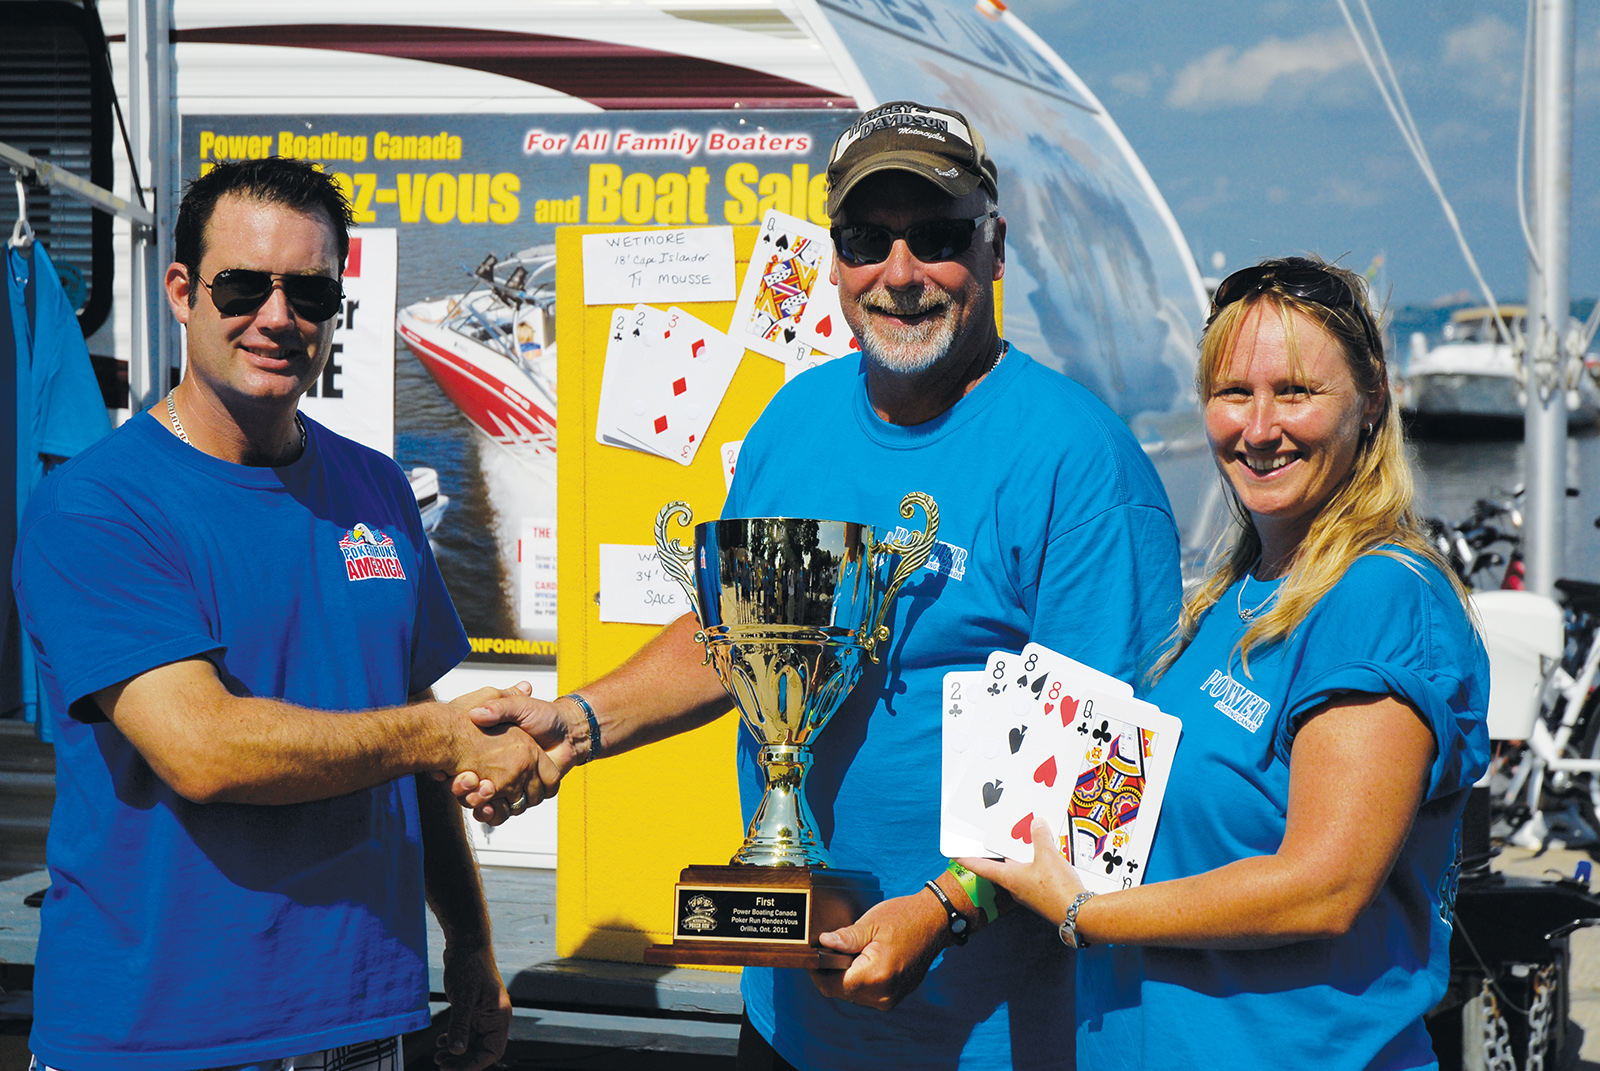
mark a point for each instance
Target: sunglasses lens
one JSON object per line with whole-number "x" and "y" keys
{"x": 241, "y": 291}
{"x": 941, "y": 239}
{"x": 863, "y": 244}
{"x": 238, "y": 291}
{"x": 314, "y": 297}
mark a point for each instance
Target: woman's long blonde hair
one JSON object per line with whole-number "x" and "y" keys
{"x": 1368, "y": 512}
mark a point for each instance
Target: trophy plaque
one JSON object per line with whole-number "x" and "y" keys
{"x": 791, "y": 611}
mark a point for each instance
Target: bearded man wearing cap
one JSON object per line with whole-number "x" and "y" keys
{"x": 1053, "y": 528}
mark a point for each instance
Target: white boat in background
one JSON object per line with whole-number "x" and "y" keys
{"x": 1469, "y": 380}
{"x": 491, "y": 349}
{"x": 431, "y": 503}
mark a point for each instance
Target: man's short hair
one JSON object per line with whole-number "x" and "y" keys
{"x": 936, "y": 144}
{"x": 275, "y": 180}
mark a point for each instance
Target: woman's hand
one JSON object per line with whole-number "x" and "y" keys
{"x": 1046, "y": 886}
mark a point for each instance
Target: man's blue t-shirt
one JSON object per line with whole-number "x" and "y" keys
{"x": 225, "y": 933}
{"x": 1353, "y": 1002}
{"x": 1053, "y": 527}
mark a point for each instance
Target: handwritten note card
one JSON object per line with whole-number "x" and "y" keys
{"x": 628, "y": 267}
{"x": 635, "y": 589}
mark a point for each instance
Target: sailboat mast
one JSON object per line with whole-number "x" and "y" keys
{"x": 1546, "y": 355}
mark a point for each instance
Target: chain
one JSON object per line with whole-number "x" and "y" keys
{"x": 1496, "y": 1035}
{"x": 1544, "y": 987}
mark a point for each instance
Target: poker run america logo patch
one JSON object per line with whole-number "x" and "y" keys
{"x": 369, "y": 554}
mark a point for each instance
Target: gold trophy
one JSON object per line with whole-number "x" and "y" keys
{"x": 791, "y": 610}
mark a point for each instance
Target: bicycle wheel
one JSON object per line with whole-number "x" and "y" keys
{"x": 1587, "y": 787}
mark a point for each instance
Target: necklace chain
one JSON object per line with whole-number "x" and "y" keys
{"x": 177, "y": 425}
{"x": 1249, "y": 615}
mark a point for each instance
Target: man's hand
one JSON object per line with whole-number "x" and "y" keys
{"x": 497, "y": 757}
{"x": 489, "y": 799}
{"x": 480, "y": 1011}
{"x": 894, "y": 944}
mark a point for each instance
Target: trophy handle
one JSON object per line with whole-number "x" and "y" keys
{"x": 913, "y": 555}
{"x": 676, "y": 559}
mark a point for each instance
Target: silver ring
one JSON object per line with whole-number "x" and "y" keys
{"x": 519, "y": 804}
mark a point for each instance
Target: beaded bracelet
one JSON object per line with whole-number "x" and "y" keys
{"x": 594, "y": 725}
{"x": 979, "y": 890}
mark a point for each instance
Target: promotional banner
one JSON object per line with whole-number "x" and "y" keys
{"x": 355, "y": 396}
{"x": 474, "y": 202}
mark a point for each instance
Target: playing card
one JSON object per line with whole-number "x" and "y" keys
{"x": 993, "y": 738}
{"x": 805, "y": 363}
{"x": 963, "y": 711}
{"x": 822, "y": 325}
{"x": 790, "y": 260}
{"x": 1092, "y": 764}
{"x": 730, "y": 462}
{"x": 671, "y": 402}
{"x": 630, "y": 343}
{"x": 1120, "y": 781}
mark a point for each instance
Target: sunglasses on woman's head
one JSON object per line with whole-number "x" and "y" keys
{"x": 935, "y": 240}
{"x": 1300, "y": 279}
{"x": 241, "y": 291}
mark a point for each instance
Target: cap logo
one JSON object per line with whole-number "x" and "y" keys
{"x": 907, "y": 116}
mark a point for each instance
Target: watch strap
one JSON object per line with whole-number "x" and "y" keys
{"x": 960, "y": 927}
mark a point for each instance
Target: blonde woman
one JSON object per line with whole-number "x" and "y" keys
{"x": 1332, "y": 688}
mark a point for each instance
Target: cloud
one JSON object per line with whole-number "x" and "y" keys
{"x": 1133, "y": 83}
{"x": 1201, "y": 203}
{"x": 1487, "y": 54}
{"x": 1275, "y": 70}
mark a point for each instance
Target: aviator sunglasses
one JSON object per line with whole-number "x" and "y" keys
{"x": 937, "y": 239}
{"x": 241, "y": 291}
{"x": 1298, "y": 278}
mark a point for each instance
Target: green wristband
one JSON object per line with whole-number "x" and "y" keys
{"x": 979, "y": 890}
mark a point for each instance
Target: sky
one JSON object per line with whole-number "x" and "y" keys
{"x": 1264, "y": 130}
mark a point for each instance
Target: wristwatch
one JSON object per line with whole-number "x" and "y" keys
{"x": 1069, "y": 925}
{"x": 960, "y": 927}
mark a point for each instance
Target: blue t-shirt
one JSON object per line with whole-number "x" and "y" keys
{"x": 1351, "y": 1002}
{"x": 1052, "y": 527}
{"x": 225, "y": 933}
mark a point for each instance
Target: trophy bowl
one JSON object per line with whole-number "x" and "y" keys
{"x": 792, "y": 611}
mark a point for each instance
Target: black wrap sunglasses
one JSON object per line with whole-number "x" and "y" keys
{"x": 1298, "y": 278}
{"x": 241, "y": 291}
{"x": 937, "y": 239}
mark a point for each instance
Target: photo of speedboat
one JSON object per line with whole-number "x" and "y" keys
{"x": 491, "y": 350}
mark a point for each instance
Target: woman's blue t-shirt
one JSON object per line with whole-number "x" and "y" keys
{"x": 1390, "y": 626}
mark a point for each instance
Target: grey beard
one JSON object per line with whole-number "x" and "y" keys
{"x": 908, "y": 350}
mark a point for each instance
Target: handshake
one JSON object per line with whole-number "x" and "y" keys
{"x": 507, "y": 751}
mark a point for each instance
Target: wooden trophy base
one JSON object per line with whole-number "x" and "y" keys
{"x": 759, "y": 916}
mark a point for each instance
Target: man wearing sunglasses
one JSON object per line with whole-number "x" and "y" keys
{"x": 238, "y": 622}
{"x": 1053, "y": 527}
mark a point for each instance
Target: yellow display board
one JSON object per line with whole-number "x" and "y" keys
{"x": 630, "y": 823}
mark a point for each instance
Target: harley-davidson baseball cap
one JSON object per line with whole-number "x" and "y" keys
{"x": 935, "y": 143}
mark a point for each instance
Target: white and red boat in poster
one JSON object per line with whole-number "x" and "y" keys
{"x": 491, "y": 350}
